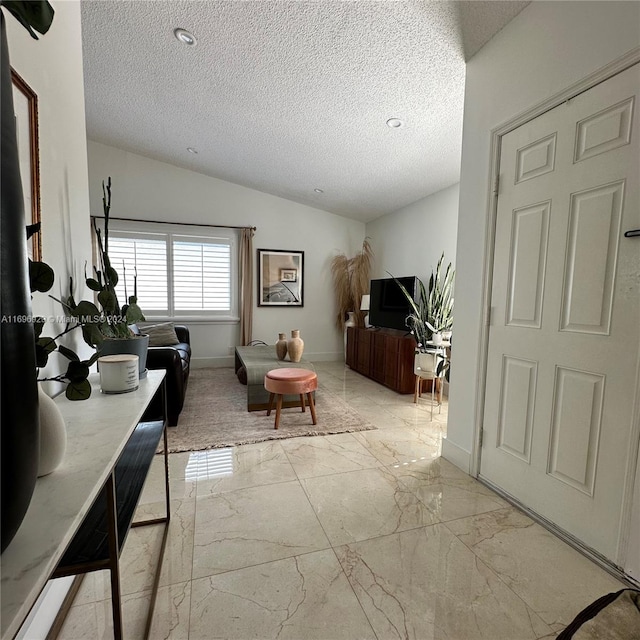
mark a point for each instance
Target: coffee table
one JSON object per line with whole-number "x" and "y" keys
{"x": 257, "y": 361}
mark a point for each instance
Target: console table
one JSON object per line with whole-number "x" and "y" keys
{"x": 79, "y": 515}
{"x": 385, "y": 355}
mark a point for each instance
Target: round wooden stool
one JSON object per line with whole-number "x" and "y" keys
{"x": 280, "y": 382}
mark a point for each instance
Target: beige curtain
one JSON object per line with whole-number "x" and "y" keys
{"x": 246, "y": 285}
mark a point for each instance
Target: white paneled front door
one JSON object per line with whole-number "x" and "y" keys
{"x": 564, "y": 338}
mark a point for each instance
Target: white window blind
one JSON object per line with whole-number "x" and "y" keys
{"x": 146, "y": 257}
{"x": 178, "y": 274}
{"x": 201, "y": 274}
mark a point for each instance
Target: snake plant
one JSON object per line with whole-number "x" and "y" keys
{"x": 432, "y": 312}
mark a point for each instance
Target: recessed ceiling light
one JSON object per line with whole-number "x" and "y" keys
{"x": 192, "y": 150}
{"x": 395, "y": 123}
{"x": 318, "y": 190}
{"x": 185, "y": 37}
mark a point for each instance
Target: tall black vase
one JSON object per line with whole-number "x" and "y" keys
{"x": 20, "y": 426}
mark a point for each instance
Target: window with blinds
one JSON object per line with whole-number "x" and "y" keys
{"x": 176, "y": 274}
{"x": 201, "y": 275}
{"x": 145, "y": 259}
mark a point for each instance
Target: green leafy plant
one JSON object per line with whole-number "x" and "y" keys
{"x": 433, "y": 311}
{"x": 440, "y": 299}
{"x": 417, "y": 321}
{"x": 31, "y": 14}
{"x": 41, "y": 279}
{"x": 110, "y": 320}
{"x": 97, "y": 324}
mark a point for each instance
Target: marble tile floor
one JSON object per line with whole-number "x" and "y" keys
{"x": 369, "y": 535}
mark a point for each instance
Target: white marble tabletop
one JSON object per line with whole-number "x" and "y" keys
{"x": 97, "y": 431}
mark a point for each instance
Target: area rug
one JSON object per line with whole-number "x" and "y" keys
{"x": 215, "y": 415}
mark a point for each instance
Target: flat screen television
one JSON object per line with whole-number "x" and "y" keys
{"x": 388, "y": 306}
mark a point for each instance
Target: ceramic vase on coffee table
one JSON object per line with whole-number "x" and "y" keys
{"x": 281, "y": 346}
{"x": 295, "y": 346}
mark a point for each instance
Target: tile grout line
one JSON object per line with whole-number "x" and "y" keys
{"x": 333, "y": 550}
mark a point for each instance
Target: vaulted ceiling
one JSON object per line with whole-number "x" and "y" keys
{"x": 290, "y": 97}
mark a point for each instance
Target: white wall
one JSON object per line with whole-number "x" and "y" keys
{"x": 52, "y": 67}
{"x": 409, "y": 241}
{"x": 151, "y": 190}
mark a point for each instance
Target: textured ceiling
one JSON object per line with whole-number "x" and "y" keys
{"x": 289, "y": 96}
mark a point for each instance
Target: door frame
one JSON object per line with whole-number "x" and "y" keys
{"x": 601, "y": 75}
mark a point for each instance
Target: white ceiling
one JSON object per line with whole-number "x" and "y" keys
{"x": 288, "y": 96}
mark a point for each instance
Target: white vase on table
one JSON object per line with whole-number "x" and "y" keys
{"x": 281, "y": 346}
{"x": 295, "y": 346}
{"x": 53, "y": 435}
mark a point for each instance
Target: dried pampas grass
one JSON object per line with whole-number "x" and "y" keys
{"x": 351, "y": 281}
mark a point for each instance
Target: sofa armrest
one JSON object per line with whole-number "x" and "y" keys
{"x": 182, "y": 332}
{"x": 168, "y": 358}
{"x": 163, "y": 358}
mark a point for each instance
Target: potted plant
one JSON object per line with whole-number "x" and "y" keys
{"x": 350, "y": 283}
{"x": 432, "y": 312}
{"x": 439, "y": 306}
{"x": 107, "y": 325}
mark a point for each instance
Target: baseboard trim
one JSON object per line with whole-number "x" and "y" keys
{"x": 456, "y": 455}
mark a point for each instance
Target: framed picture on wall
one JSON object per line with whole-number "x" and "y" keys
{"x": 25, "y": 105}
{"x": 280, "y": 278}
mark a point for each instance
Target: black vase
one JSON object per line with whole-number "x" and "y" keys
{"x": 20, "y": 426}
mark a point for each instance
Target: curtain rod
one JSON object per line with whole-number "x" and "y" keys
{"x": 184, "y": 224}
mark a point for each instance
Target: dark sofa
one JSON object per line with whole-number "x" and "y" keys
{"x": 175, "y": 360}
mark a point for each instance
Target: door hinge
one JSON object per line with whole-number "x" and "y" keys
{"x": 487, "y": 317}
{"x": 496, "y": 185}
{"x": 481, "y": 437}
